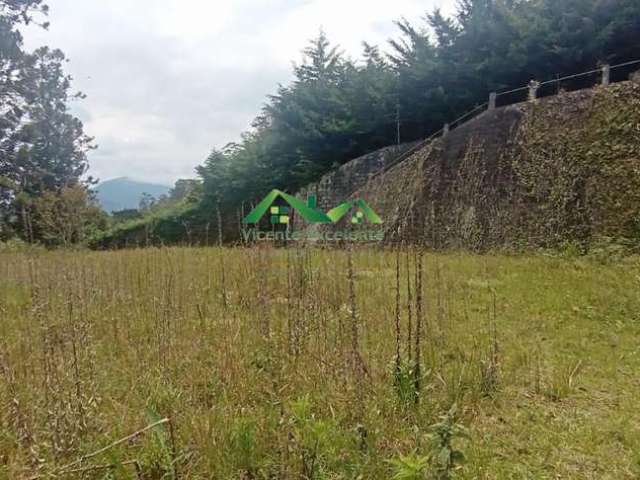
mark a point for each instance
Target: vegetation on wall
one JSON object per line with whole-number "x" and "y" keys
{"x": 582, "y": 172}
{"x": 559, "y": 171}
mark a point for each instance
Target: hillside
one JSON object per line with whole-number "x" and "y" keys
{"x": 124, "y": 193}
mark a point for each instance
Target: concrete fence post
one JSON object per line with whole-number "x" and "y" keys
{"x": 445, "y": 129}
{"x": 493, "y": 96}
{"x": 606, "y": 75}
{"x": 534, "y": 85}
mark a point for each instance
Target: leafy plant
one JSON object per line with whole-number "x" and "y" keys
{"x": 317, "y": 442}
{"x": 404, "y": 384}
{"x": 157, "y": 461}
{"x": 244, "y": 444}
{"x": 445, "y": 456}
{"x": 410, "y": 467}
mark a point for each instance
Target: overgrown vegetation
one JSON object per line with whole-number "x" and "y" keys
{"x": 560, "y": 173}
{"x": 595, "y": 167}
{"x": 286, "y": 363}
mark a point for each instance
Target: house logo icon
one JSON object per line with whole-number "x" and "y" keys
{"x": 362, "y": 212}
{"x": 281, "y": 214}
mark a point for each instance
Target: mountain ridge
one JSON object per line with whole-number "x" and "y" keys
{"x": 124, "y": 193}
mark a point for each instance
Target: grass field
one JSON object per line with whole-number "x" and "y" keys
{"x": 284, "y": 364}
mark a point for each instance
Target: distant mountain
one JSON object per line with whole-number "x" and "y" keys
{"x": 124, "y": 193}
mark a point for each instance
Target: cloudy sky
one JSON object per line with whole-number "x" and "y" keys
{"x": 168, "y": 80}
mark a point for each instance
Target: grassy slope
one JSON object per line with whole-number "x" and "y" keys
{"x": 251, "y": 354}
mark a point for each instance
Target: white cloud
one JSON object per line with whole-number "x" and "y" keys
{"x": 167, "y": 80}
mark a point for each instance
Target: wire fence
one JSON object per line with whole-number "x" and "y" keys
{"x": 603, "y": 75}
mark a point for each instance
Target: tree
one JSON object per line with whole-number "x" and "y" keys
{"x": 322, "y": 63}
{"x": 147, "y": 203}
{"x": 129, "y": 214}
{"x": 67, "y": 216}
{"x": 184, "y": 189}
{"x": 42, "y": 146}
{"x": 15, "y": 83}
{"x": 372, "y": 97}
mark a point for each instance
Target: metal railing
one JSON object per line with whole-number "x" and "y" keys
{"x": 532, "y": 88}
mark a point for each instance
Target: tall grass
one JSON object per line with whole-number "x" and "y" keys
{"x": 314, "y": 364}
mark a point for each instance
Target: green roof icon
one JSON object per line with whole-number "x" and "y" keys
{"x": 364, "y": 212}
{"x": 281, "y": 215}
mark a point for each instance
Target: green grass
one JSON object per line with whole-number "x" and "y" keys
{"x": 250, "y": 353}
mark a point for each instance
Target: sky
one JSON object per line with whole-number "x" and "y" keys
{"x": 169, "y": 80}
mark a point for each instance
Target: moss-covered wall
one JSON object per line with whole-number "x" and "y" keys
{"x": 564, "y": 168}
{"x": 337, "y": 186}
